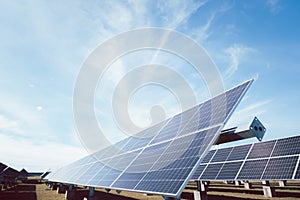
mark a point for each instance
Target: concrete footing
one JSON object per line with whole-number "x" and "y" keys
{"x": 237, "y": 183}
{"x": 269, "y": 191}
{"x": 282, "y": 183}
{"x": 201, "y": 193}
{"x": 91, "y": 198}
{"x": 266, "y": 183}
{"x": 91, "y": 195}
{"x": 53, "y": 187}
{"x": 60, "y": 189}
{"x": 247, "y": 185}
{"x": 203, "y": 187}
{"x": 70, "y": 195}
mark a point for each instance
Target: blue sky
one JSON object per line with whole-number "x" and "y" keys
{"x": 45, "y": 43}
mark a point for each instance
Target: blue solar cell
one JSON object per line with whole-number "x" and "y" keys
{"x": 89, "y": 173}
{"x": 262, "y": 163}
{"x": 297, "y": 175}
{"x": 239, "y": 152}
{"x": 104, "y": 177}
{"x": 208, "y": 156}
{"x": 211, "y": 172}
{"x": 287, "y": 146}
{"x": 253, "y": 170}
{"x": 170, "y": 164}
{"x": 175, "y": 168}
{"x": 261, "y": 150}
{"x": 280, "y": 168}
{"x": 229, "y": 171}
{"x": 221, "y": 155}
{"x": 198, "y": 172}
{"x": 169, "y": 131}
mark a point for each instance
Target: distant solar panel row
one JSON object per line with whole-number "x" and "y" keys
{"x": 271, "y": 160}
{"x": 163, "y": 163}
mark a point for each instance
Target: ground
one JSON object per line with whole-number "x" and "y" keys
{"x": 35, "y": 190}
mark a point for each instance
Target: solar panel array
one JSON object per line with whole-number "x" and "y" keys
{"x": 271, "y": 160}
{"x": 162, "y": 164}
{"x": 7, "y": 174}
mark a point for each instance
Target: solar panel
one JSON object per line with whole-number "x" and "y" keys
{"x": 239, "y": 152}
{"x": 208, "y": 156}
{"x": 221, "y": 155}
{"x": 199, "y": 171}
{"x": 229, "y": 171}
{"x": 159, "y": 164}
{"x": 261, "y": 150}
{"x": 270, "y": 160}
{"x": 287, "y": 146}
{"x": 280, "y": 168}
{"x": 253, "y": 170}
{"x": 297, "y": 175}
{"x": 211, "y": 171}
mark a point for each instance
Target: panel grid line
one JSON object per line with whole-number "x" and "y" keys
{"x": 168, "y": 180}
{"x": 137, "y": 155}
{"x": 296, "y": 168}
{"x": 269, "y": 159}
{"x": 283, "y": 165}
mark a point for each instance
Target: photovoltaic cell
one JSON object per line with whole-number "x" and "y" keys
{"x": 198, "y": 172}
{"x": 261, "y": 150}
{"x": 287, "y": 146}
{"x": 280, "y": 168}
{"x": 253, "y": 170}
{"x": 297, "y": 175}
{"x": 229, "y": 171}
{"x": 221, "y": 155}
{"x": 164, "y": 160}
{"x": 180, "y": 167}
{"x": 239, "y": 152}
{"x": 271, "y": 160}
{"x": 211, "y": 172}
{"x": 208, "y": 156}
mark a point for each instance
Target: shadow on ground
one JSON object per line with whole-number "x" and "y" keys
{"x": 19, "y": 192}
{"x": 101, "y": 195}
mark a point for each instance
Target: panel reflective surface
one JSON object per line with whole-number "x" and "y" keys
{"x": 162, "y": 163}
{"x": 270, "y": 160}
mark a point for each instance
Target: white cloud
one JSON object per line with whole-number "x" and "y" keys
{"x": 39, "y": 108}
{"x": 245, "y": 115}
{"x": 236, "y": 53}
{"x": 175, "y": 13}
{"x": 31, "y": 85}
{"x": 273, "y": 6}
{"x": 35, "y": 154}
{"x": 202, "y": 33}
{"x": 8, "y": 124}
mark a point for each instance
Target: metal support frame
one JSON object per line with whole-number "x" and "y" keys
{"x": 201, "y": 193}
{"x": 91, "y": 191}
{"x": 237, "y": 183}
{"x": 267, "y": 189}
{"x": 255, "y": 129}
{"x": 247, "y": 185}
{"x": 282, "y": 183}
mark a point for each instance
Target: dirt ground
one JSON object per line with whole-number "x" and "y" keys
{"x": 217, "y": 190}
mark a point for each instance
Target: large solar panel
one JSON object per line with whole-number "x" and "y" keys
{"x": 270, "y": 160}
{"x": 160, "y": 164}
